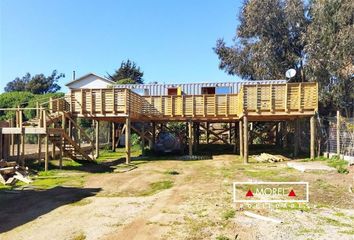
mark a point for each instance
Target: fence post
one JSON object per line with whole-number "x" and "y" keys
{"x": 312, "y": 137}
{"x": 338, "y": 133}
{"x": 51, "y": 105}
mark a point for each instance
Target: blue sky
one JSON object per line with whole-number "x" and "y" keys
{"x": 171, "y": 40}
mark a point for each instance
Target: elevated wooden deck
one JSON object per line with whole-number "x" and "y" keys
{"x": 256, "y": 102}
{"x": 261, "y": 102}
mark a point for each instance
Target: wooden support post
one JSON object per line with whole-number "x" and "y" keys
{"x": 127, "y": 140}
{"x": 37, "y": 110}
{"x": 97, "y": 152}
{"x": 235, "y": 138}
{"x": 12, "y": 138}
{"x": 241, "y": 137}
{"x": 70, "y": 130}
{"x": 312, "y": 137}
{"x": 296, "y": 137}
{"x": 230, "y": 133}
{"x": 63, "y": 122}
{"x": 338, "y": 133}
{"x": 245, "y": 140}
{"x": 18, "y": 150}
{"x": 153, "y": 135}
{"x": 195, "y": 136}
{"x": 53, "y": 149}
{"x": 22, "y": 139}
{"x": 79, "y": 133}
{"x": 190, "y": 138}
{"x": 142, "y": 139}
{"x": 51, "y": 105}
{"x": 285, "y": 133}
{"x": 113, "y": 137}
{"x": 46, "y": 157}
{"x": 39, "y": 148}
{"x": 278, "y": 140}
{"x": 207, "y": 133}
{"x": 61, "y": 152}
{"x": 2, "y": 145}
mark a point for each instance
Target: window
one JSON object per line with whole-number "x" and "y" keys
{"x": 208, "y": 90}
{"x": 223, "y": 90}
{"x": 171, "y": 91}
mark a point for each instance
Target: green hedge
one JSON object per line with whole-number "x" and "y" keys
{"x": 23, "y": 99}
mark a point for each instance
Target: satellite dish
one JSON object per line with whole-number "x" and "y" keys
{"x": 290, "y": 73}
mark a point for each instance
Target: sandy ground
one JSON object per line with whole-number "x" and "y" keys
{"x": 114, "y": 206}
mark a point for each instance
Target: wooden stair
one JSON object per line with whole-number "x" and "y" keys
{"x": 70, "y": 148}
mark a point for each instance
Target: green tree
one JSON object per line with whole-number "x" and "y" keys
{"x": 128, "y": 73}
{"x": 38, "y": 84}
{"x": 18, "y": 84}
{"x": 268, "y": 40}
{"x": 330, "y": 53}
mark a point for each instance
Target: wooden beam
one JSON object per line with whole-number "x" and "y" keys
{"x": 127, "y": 140}
{"x": 245, "y": 139}
{"x": 216, "y": 134}
{"x": 312, "y": 137}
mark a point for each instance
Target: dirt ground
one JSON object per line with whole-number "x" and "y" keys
{"x": 175, "y": 199}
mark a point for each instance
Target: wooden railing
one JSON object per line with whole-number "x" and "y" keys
{"x": 192, "y": 105}
{"x": 264, "y": 99}
{"x": 288, "y": 98}
{"x": 98, "y": 101}
{"x": 59, "y": 104}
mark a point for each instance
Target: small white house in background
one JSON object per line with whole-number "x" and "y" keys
{"x": 90, "y": 80}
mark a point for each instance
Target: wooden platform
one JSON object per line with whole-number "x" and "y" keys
{"x": 261, "y": 102}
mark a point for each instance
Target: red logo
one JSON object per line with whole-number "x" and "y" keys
{"x": 292, "y": 193}
{"x": 249, "y": 193}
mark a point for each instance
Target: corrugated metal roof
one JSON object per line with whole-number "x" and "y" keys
{"x": 193, "y": 88}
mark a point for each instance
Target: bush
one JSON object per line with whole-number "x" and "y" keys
{"x": 339, "y": 164}
{"x": 23, "y": 99}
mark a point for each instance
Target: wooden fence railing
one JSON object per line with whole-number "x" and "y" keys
{"x": 271, "y": 98}
{"x": 192, "y": 105}
{"x": 289, "y": 98}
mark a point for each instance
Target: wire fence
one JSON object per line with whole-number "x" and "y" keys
{"x": 339, "y": 135}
